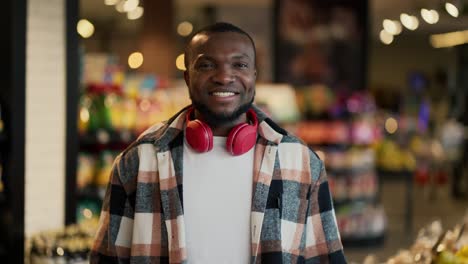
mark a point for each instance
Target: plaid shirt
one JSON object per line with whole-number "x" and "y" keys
{"x": 292, "y": 216}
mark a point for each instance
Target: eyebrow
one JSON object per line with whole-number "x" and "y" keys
{"x": 242, "y": 55}
{"x": 236, "y": 56}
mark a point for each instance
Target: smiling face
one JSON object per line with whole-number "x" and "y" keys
{"x": 221, "y": 76}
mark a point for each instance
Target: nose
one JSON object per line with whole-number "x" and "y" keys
{"x": 223, "y": 75}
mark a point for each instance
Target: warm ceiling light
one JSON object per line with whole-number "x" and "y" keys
{"x": 135, "y": 60}
{"x": 184, "y": 28}
{"x": 120, "y": 6}
{"x": 130, "y": 5}
{"x": 451, "y": 9}
{"x": 110, "y": 2}
{"x": 180, "y": 62}
{"x": 392, "y": 27}
{"x": 136, "y": 13}
{"x": 409, "y": 22}
{"x": 435, "y": 15}
{"x": 449, "y": 39}
{"x": 430, "y": 16}
{"x": 386, "y": 37}
{"x": 85, "y": 28}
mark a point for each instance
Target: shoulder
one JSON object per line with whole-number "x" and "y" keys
{"x": 293, "y": 150}
{"x": 160, "y": 134}
{"x": 149, "y": 136}
{"x": 128, "y": 162}
{"x": 291, "y": 139}
{"x": 288, "y": 139}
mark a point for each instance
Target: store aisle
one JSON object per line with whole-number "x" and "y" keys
{"x": 427, "y": 207}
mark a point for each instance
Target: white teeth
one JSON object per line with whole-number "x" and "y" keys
{"x": 223, "y": 94}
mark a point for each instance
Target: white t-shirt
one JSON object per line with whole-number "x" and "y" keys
{"x": 217, "y": 196}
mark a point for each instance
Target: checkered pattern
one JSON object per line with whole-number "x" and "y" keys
{"x": 292, "y": 219}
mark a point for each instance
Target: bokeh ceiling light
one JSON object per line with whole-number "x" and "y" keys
{"x": 184, "y": 28}
{"x": 392, "y": 27}
{"x": 130, "y": 5}
{"x": 120, "y": 6}
{"x": 451, "y": 9}
{"x": 135, "y": 60}
{"x": 135, "y": 14}
{"x": 385, "y": 37}
{"x": 409, "y": 22}
{"x": 451, "y": 39}
{"x": 111, "y": 2}
{"x": 180, "y": 62}
{"x": 430, "y": 16}
{"x": 85, "y": 28}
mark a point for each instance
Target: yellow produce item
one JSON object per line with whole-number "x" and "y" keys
{"x": 463, "y": 253}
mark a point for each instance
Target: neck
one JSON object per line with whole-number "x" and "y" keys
{"x": 222, "y": 130}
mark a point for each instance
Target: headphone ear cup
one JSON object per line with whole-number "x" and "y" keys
{"x": 241, "y": 139}
{"x": 199, "y": 136}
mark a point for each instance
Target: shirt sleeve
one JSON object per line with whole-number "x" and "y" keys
{"x": 113, "y": 238}
{"x": 323, "y": 242}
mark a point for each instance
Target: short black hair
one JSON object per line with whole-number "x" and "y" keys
{"x": 218, "y": 27}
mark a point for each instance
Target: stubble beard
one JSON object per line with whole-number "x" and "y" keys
{"x": 224, "y": 118}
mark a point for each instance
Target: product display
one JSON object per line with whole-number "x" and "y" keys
{"x": 343, "y": 131}
{"x": 279, "y": 101}
{"x": 114, "y": 108}
{"x": 377, "y": 89}
{"x": 360, "y": 145}
{"x": 68, "y": 246}
{"x": 433, "y": 245}
{"x": 361, "y": 224}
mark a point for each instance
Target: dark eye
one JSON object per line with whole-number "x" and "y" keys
{"x": 241, "y": 65}
{"x": 205, "y": 65}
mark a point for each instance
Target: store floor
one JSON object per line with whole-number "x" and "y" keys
{"x": 427, "y": 207}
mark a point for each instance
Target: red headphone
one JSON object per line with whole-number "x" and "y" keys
{"x": 240, "y": 139}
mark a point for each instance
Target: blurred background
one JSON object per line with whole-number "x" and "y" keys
{"x": 379, "y": 89}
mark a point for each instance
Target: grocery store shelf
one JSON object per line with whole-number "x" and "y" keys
{"x": 92, "y": 193}
{"x": 364, "y": 199}
{"x": 105, "y": 140}
{"x": 350, "y": 171}
{"x": 363, "y": 242}
{"x": 395, "y": 175}
{"x": 334, "y": 146}
{"x": 407, "y": 177}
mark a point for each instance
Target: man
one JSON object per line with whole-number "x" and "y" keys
{"x": 219, "y": 182}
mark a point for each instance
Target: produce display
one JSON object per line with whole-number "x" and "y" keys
{"x": 433, "y": 245}
{"x": 70, "y": 245}
{"x": 393, "y": 157}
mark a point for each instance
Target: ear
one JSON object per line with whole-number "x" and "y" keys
{"x": 187, "y": 78}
